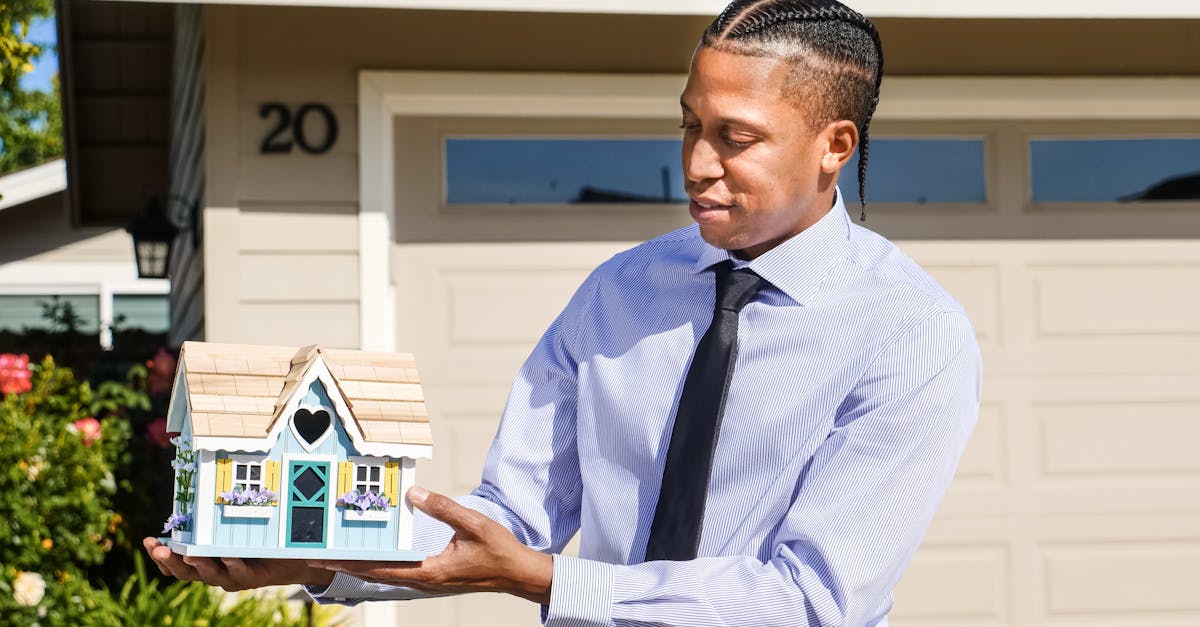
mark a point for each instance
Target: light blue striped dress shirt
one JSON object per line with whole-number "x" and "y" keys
{"x": 855, "y": 387}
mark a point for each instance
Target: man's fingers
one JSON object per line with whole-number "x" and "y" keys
{"x": 443, "y": 508}
{"x": 213, "y": 573}
{"x": 168, "y": 562}
{"x": 387, "y": 572}
{"x": 238, "y": 569}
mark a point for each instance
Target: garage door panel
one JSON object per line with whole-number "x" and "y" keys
{"x": 1106, "y": 440}
{"x": 1113, "y": 356}
{"x": 470, "y": 437}
{"x": 1141, "y": 578}
{"x": 1048, "y": 308}
{"x": 977, "y": 288}
{"x": 955, "y": 585}
{"x": 982, "y": 463}
{"x": 484, "y": 305}
{"x": 507, "y": 307}
{"x": 1056, "y": 570}
{"x": 1100, "y": 301}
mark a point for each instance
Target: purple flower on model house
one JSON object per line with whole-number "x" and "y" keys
{"x": 176, "y": 521}
{"x": 252, "y": 496}
{"x": 367, "y": 501}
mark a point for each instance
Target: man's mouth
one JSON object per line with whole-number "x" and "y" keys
{"x": 704, "y": 210}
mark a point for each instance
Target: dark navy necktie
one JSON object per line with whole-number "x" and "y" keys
{"x": 675, "y": 532}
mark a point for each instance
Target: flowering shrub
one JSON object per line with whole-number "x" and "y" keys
{"x": 28, "y": 589}
{"x": 160, "y": 372}
{"x": 87, "y": 428}
{"x": 369, "y": 501}
{"x": 57, "y": 483}
{"x": 156, "y": 433}
{"x": 14, "y": 374}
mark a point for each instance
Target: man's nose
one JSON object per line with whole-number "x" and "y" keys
{"x": 701, "y": 162}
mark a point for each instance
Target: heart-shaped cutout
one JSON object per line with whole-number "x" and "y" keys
{"x": 311, "y": 426}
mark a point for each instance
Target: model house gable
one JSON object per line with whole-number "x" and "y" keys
{"x": 306, "y": 451}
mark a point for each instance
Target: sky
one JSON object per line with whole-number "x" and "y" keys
{"x": 42, "y": 32}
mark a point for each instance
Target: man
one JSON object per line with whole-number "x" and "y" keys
{"x": 750, "y": 421}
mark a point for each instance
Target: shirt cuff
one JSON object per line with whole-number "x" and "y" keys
{"x": 343, "y": 589}
{"x": 581, "y": 593}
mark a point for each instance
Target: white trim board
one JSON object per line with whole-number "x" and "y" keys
{"x": 32, "y": 183}
{"x": 1088, "y": 9}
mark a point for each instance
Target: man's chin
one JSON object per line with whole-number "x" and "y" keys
{"x": 720, "y": 238}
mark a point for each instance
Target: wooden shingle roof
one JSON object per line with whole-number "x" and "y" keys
{"x": 239, "y": 390}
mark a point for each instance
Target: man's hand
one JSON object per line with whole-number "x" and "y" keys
{"x": 232, "y": 573}
{"x": 482, "y": 556}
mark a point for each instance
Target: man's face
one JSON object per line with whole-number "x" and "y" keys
{"x": 751, "y": 159}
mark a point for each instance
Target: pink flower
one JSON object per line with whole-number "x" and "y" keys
{"x": 14, "y": 374}
{"x": 89, "y": 430}
{"x": 156, "y": 432}
{"x": 161, "y": 375}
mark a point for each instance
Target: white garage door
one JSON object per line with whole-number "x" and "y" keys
{"x": 1078, "y": 500}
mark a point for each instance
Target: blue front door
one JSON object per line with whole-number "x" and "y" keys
{"x": 308, "y": 504}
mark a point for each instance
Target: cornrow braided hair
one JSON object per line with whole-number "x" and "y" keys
{"x": 835, "y": 53}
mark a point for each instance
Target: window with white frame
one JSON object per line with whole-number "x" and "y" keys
{"x": 247, "y": 475}
{"x": 368, "y": 477}
{"x": 98, "y": 299}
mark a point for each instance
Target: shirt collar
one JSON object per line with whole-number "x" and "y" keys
{"x": 799, "y": 265}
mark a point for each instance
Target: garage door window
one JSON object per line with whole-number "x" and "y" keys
{"x": 563, "y": 171}
{"x": 525, "y": 171}
{"x": 922, "y": 170}
{"x": 1115, "y": 170}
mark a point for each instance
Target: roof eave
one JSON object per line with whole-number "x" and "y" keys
{"x": 970, "y": 9}
{"x": 33, "y": 183}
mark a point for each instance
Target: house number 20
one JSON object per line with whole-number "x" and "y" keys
{"x": 289, "y": 129}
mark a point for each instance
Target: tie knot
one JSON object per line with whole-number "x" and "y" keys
{"x": 735, "y": 288}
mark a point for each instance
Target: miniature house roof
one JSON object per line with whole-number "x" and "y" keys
{"x": 241, "y": 391}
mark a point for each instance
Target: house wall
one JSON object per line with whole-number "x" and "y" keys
{"x": 40, "y": 231}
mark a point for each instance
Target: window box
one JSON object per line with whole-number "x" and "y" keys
{"x": 248, "y": 511}
{"x": 373, "y": 515}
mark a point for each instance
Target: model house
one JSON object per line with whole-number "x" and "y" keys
{"x": 286, "y": 452}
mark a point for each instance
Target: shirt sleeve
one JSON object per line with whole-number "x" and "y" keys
{"x": 531, "y": 481}
{"x": 862, "y": 505}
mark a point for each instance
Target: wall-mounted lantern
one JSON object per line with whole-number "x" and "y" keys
{"x": 153, "y": 237}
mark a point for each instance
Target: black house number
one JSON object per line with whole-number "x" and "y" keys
{"x": 288, "y": 130}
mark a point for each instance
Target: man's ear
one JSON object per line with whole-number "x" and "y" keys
{"x": 838, "y": 141}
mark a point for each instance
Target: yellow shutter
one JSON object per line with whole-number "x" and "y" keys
{"x": 271, "y": 470}
{"x": 345, "y": 477}
{"x": 224, "y": 477}
{"x": 391, "y": 483}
